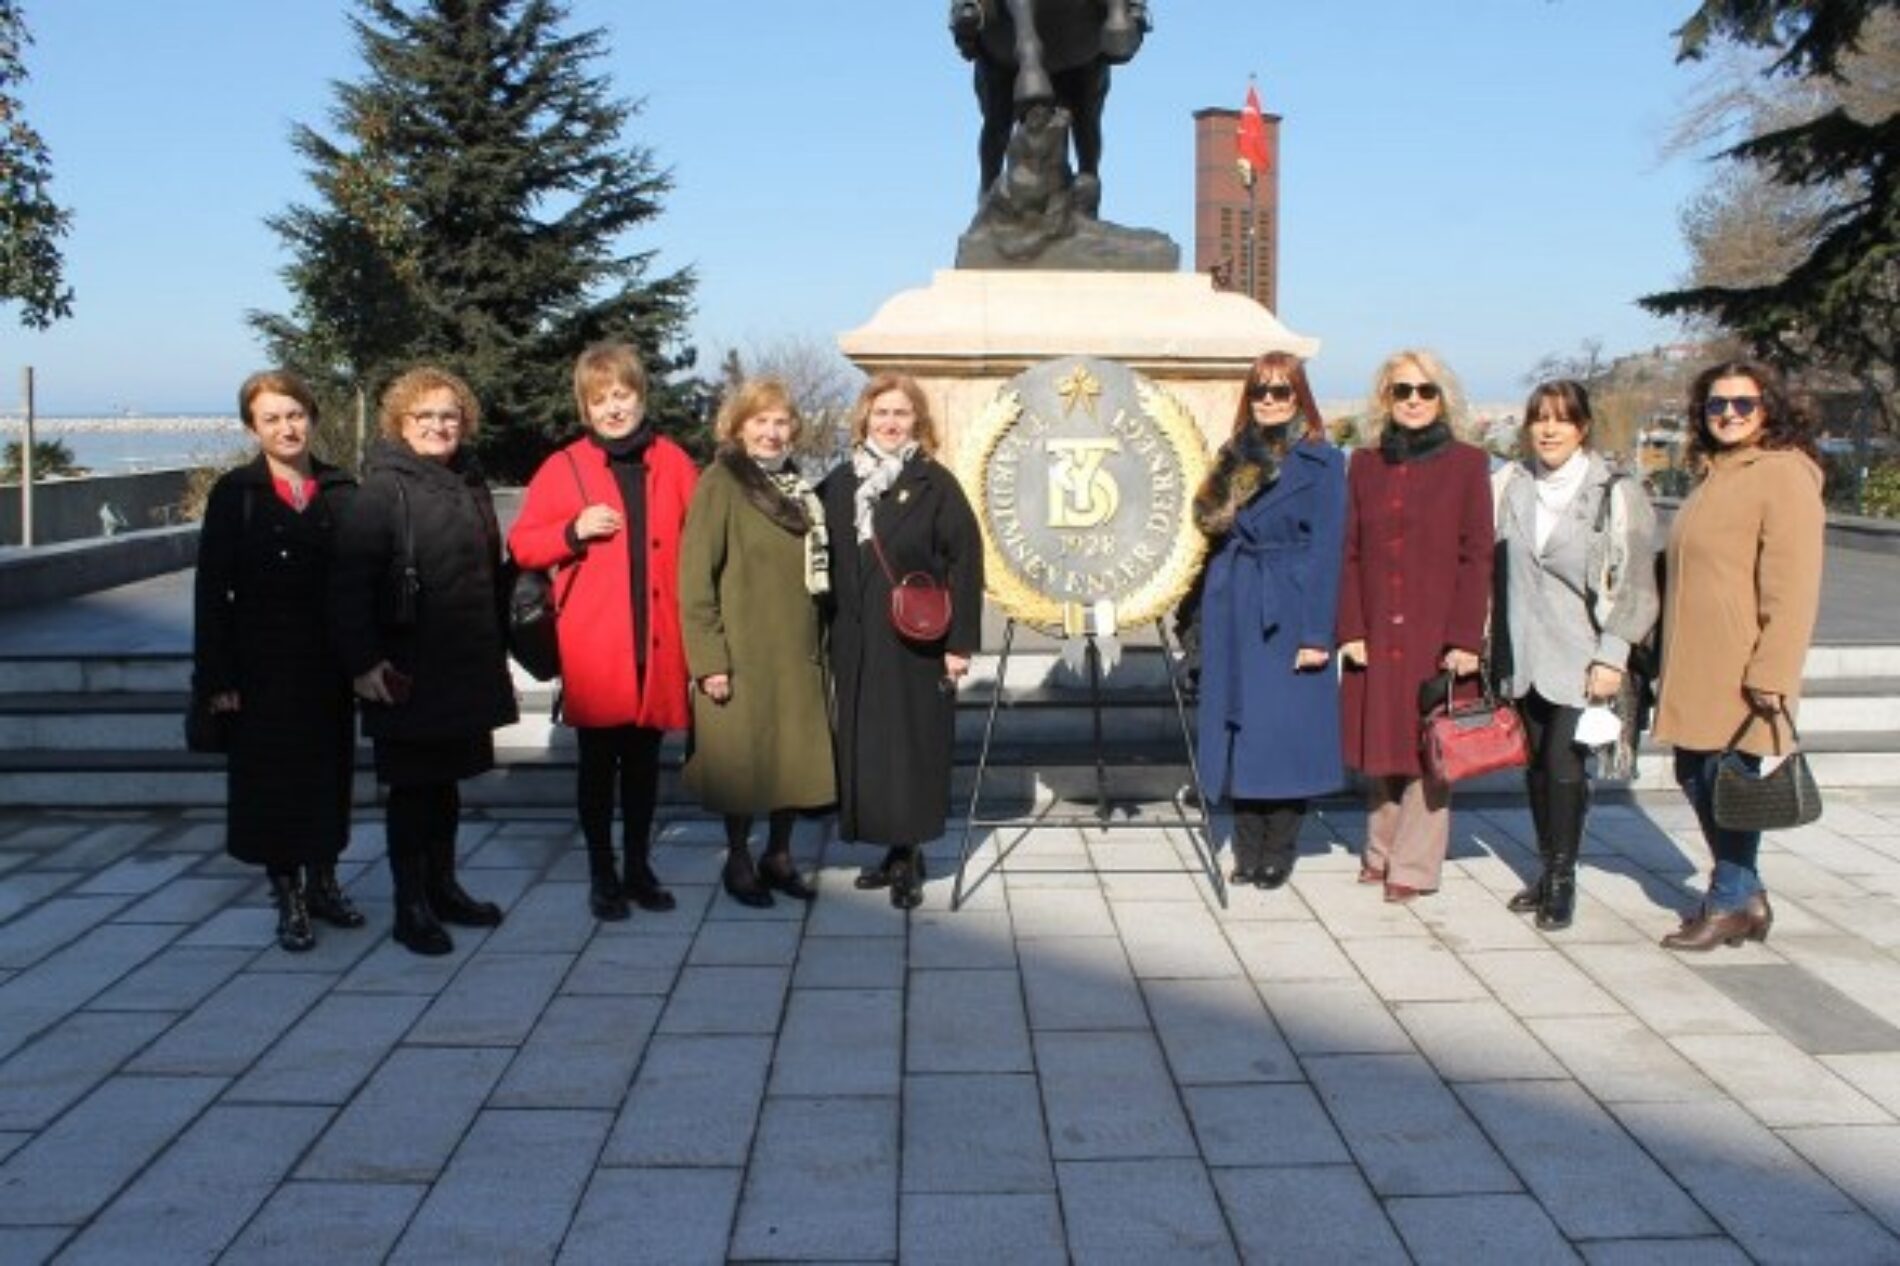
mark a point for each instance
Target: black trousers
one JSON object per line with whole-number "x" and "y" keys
{"x": 1552, "y": 731}
{"x": 1267, "y": 831}
{"x": 626, "y": 758}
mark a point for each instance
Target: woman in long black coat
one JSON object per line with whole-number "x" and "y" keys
{"x": 428, "y": 653}
{"x": 262, "y": 655}
{"x": 896, "y": 699}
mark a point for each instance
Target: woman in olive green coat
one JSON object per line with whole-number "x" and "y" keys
{"x": 752, "y": 565}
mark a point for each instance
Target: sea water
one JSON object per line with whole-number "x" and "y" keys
{"x": 120, "y": 445}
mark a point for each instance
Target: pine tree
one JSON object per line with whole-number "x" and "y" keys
{"x": 473, "y": 213}
{"x": 31, "y": 223}
{"x": 1838, "y": 304}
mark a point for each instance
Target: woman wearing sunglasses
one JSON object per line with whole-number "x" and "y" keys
{"x": 1273, "y": 509}
{"x": 1412, "y": 606}
{"x": 1744, "y": 587}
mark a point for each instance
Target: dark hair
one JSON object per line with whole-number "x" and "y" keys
{"x": 1570, "y": 400}
{"x": 1784, "y": 425}
{"x": 1280, "y": 365}
{"x": 279, "y": 382}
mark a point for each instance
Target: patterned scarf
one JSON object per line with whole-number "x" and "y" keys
{"x": 793, "y": 487}
{"x": 876, "y": 471}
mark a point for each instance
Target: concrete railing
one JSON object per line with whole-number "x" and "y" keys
{"x": 48, "y": 573}
{"x": 70, "y": 509}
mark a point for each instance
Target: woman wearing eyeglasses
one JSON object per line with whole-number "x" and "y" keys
{"x": 1744, "y": 588}
{"x": 1412, "y": 605}
{"x": 418, "y": 612}
{"x": 1273, "y": 509}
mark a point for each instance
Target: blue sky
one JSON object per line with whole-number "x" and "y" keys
{"x": 1483, "y": 177}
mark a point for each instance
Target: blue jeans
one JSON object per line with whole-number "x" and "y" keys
{"x": 1736, "y": 878}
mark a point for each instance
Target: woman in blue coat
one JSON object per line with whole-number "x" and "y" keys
{"x": 1274, "y": 510}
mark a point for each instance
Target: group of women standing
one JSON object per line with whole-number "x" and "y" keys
{"x": 743, "y": 605}
{"x": 1547, "y": 565}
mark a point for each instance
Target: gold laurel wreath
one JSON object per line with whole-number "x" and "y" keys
{"x": 1012, "y": 593}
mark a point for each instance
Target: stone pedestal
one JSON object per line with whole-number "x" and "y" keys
{"x": 971, "y": 331}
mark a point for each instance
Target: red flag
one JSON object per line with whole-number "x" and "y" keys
{"x": 1251, "y": 148}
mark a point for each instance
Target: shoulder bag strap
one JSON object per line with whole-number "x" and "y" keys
{"x": 573, "y": 571}
{"x": 882, "y": 561}
{"x": 408, "y": 527}
{"x": 1774, "y": 731}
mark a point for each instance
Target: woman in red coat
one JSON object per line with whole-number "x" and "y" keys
{"x": 607, "y": 512}
{"x": 1412, "y": 605}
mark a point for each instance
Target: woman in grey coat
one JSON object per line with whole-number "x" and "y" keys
{"x": 1580, "y": 590}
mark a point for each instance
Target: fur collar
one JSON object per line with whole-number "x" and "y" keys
{"x": 1246, "y": 467}
{"x": 760, "y": 492}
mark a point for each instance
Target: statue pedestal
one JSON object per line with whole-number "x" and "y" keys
{"x": 970, "y": 331}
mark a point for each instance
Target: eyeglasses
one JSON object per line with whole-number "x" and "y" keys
{"x": 1276, "y": 391}
{"x": 1745, "y": 406}
{"x": 1425, "y": 390}
{"x": 447, "y": 421}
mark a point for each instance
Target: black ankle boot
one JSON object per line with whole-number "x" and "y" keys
{"x": 641, "y": 884}
{"x": 450, "y": 902}
{"x": 1559, "y": 906}
{"x": 416, "y": 928}
{"x": 327, "y": 900}
{"x": 604, "y": 895}
{"x": 879, "y": 876}
{"x": 907, "y": 880}
{"x": 777, "y": 873}
{"x": 293, "y": 916}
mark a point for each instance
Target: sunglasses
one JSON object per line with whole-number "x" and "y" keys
{"x": 1745, "y": 406}
{"x": 1280, "y": 391}
{"x": 1425, "y": 390}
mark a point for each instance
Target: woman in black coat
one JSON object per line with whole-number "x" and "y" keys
{"x": 419, "y": 613}
{"x": 262, "y": 655}
{"x": 896, "y": 699}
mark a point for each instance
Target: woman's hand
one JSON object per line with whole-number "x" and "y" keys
{"x": 1766, "y": 702}
{"x": 1353, "y": 654}
{"x": 1310, "y": 659}
{"x": 955, "y": 666}
{"x": 1459, "y": 663}
{"x": 1603, "y": 682}
{"x": 374, "y": 684}
{"x": 597, "y": 523}
{"x": 226, "y": 701}
{"x": 717, "y": 687}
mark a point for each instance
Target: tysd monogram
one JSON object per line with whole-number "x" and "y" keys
{"x": 1083, "y": 472}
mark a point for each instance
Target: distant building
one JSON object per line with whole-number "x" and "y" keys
{"x": 1220, "y": 207}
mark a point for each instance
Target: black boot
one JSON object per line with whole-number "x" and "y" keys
{"x": 1568, "y": 801}
{"x": 326, "y": 898}
{"x": 604, "y": 895}
{"x": 1279, "y": 843}
{"x": 1531, "y": 896}
{"x": 447, "y": 898}
{"x": 740, "y": 877}
{"x": 907, "y": 880}
{"x": 776, "y": 869}
{"x": 293, "y": 916}
{"x": 641, "y": 883}
{"x": 1250, "y": 840}
{"x": 416, "y": 928}
{"x": 879, "y": 876}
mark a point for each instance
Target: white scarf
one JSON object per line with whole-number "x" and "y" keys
{"x": 876, "y": 470}
{"x": 1556, "y": 489}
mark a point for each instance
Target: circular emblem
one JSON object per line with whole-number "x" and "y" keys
{"x": 1084, "y": 474}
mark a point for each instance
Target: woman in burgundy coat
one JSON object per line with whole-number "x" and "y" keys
{"x": 1412, "y": 606}
{"x": 607, "y": 512}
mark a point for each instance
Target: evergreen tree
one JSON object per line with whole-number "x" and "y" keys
{"x": 1839, "y": 302}
{"x": 31, "y": 223}
{"x": 473, "y": 212}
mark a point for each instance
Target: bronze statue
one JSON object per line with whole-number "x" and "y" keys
{"x": 1042, "y": 76}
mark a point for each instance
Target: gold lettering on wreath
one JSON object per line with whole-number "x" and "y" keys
{"x": 1081, "y": 493}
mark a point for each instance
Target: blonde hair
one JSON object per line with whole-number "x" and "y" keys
{"x": 400, "y": 396}
{"x": 748, "y": 400}
{"x": 926, "y": 432}
{"x": 607, "y": 365}
{"x": 1452, "y": 406}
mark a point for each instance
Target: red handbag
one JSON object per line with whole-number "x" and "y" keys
{"x": 920, "y": 603}
{"x": 1465, "y": 740}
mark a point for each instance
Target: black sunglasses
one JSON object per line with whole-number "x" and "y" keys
{"x": 1404, "y": 390}
{"x": 1745, "y": 406}
{"x": 1279, "y": 391}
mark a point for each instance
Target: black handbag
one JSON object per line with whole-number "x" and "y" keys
{"x": 207, "y": 732}
{"x": 533, "y": 610}
{"x": 1786, "y": 796}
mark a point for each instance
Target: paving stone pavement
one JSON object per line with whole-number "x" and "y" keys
{"x": 1092, "y": 1061}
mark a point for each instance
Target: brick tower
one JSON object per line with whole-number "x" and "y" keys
{"x": 1220, "y": 207}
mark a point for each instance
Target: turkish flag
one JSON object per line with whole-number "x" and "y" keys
{"x": 1252, "y": 139}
